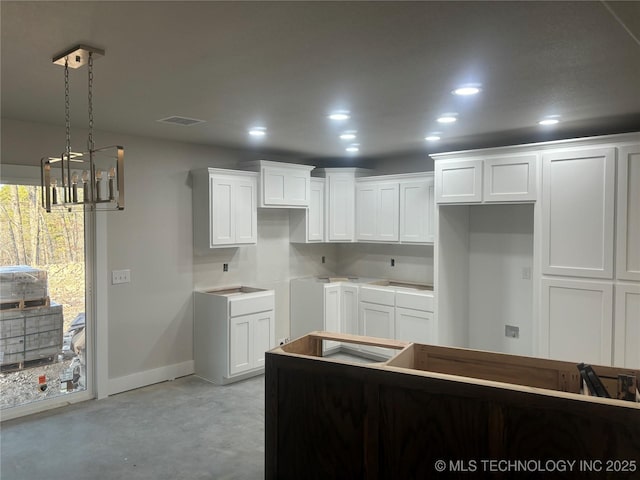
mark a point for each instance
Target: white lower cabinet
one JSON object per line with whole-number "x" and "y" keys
{"x": 232, "y": 332}
{"x": 349, "y": 309}
{"x": 414, "y": 325}
{"x": 340, "y": 311}
{"x": 396, "y": 313}
{"x": 377, "y": 321}
{"x": 576, "y": 321}
{"x": 332, "y": 314}
{"x": 627, "y": 325}
{"x": 249, "y": 338}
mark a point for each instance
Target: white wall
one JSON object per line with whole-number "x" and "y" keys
{"x": 500, "y": 247}
{"x": 269, "y": 264}
{"x": 413, "y": 263}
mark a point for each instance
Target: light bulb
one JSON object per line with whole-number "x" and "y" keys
{"x": 112, "y": 172}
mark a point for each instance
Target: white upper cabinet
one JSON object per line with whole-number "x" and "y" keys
{"x": 578, "y": 189}
{"x": 307, "y": 225}
{"x": 282, "y": 184}
{"x": 395, "y": 208}
{"x": 417, "y": 210}
{"x": 458, "y": 181}
{"x": 628, "y": 217}
{"x": 340, "y": 205}
{"x": 502, "y": 178}
{"x": 224, "y": 208}
{"x": 377, "y": 211}
{"x": 510, "y": 179}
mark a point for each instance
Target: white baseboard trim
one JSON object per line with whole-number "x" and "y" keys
{"x": 149, "y": 377}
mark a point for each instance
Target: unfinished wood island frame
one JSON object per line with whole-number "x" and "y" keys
{"x": 393, "y": 420}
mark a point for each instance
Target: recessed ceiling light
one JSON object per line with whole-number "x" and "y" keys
{"x": 339, "y": 115}
{"x": 466, "y": 90}
{"x": 548, "y": 121}
{"x": 257, "y": 131}
{"x": 348, "y": 135}
{"x": 352, "y": 149}
{"x": 432, "y": 138}
{"x": 447, "y": 118}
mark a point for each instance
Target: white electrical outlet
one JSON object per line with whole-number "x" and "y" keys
{"x": 526, "y": 273}
{"x": 120, "y": 276}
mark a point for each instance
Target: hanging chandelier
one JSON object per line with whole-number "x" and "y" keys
{"x": 93, "y": 179}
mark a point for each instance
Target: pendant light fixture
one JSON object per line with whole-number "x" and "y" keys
{"x": 93, "y": 179}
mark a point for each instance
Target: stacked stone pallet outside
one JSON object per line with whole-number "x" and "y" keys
{"x": 31, "y": 327}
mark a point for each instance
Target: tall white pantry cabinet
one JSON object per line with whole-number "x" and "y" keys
{"x": 585, "y": 255}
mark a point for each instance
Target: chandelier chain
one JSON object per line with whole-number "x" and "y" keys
{"x": 90, "y": 102}
{"x": 67, "y": 109}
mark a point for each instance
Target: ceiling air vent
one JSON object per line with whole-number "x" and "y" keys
{"x": 183, "y": 121}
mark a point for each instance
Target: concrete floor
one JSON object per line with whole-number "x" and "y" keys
{"x": 180, "y": 430}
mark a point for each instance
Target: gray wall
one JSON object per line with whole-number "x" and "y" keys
{"x": 150, "y": 320}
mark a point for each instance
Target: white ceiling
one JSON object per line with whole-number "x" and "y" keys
{"x": 285, "y": 65}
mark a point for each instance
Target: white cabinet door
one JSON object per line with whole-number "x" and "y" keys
{"x": 349, "y": 309}
{"x": 250, "y": 336}
{"x": 414, "y": 326}
{"x": 307, "y": 225}
{"x": 332, "y": 313}
{"x": 431, "y": 212}
{"x": 263, "y": 333}
{"x": 387, "y": 212}
{"x": 222, "y": 219}
{"x": 377, "y": 321}
{"x": 285, "y": 186}
{"x": 245, "y": 221}
{"x": 417, "y": 211}
{"x": 458, "y": 181}
{"x": 240, "y": 344}
{"x": 233, "y": 210}
{"x": 576, "y": 321}
{"x": 366, "y": 210}
{"x": 627, "y": 326}
{"x": 577, "y": 212}
{"x": 377, "y": 211}
{"x": 510, "y": 179}
{"x": 340, "y": 203}
{"x": 628, "y": 218}
{"x": 315, "y": 213}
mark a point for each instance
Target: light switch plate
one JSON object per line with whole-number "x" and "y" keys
{"x": 120, "y": 276}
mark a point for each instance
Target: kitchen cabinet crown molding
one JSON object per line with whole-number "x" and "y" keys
{"x": 251, "y": 164}
{"x": 617, "y": 140}
{"x": 223, "y": 171}
{"x": 396, "y": 177}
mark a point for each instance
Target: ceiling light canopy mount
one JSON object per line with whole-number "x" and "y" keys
{"x": 93, "y": 179}
{"x": 77, "y": 56}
